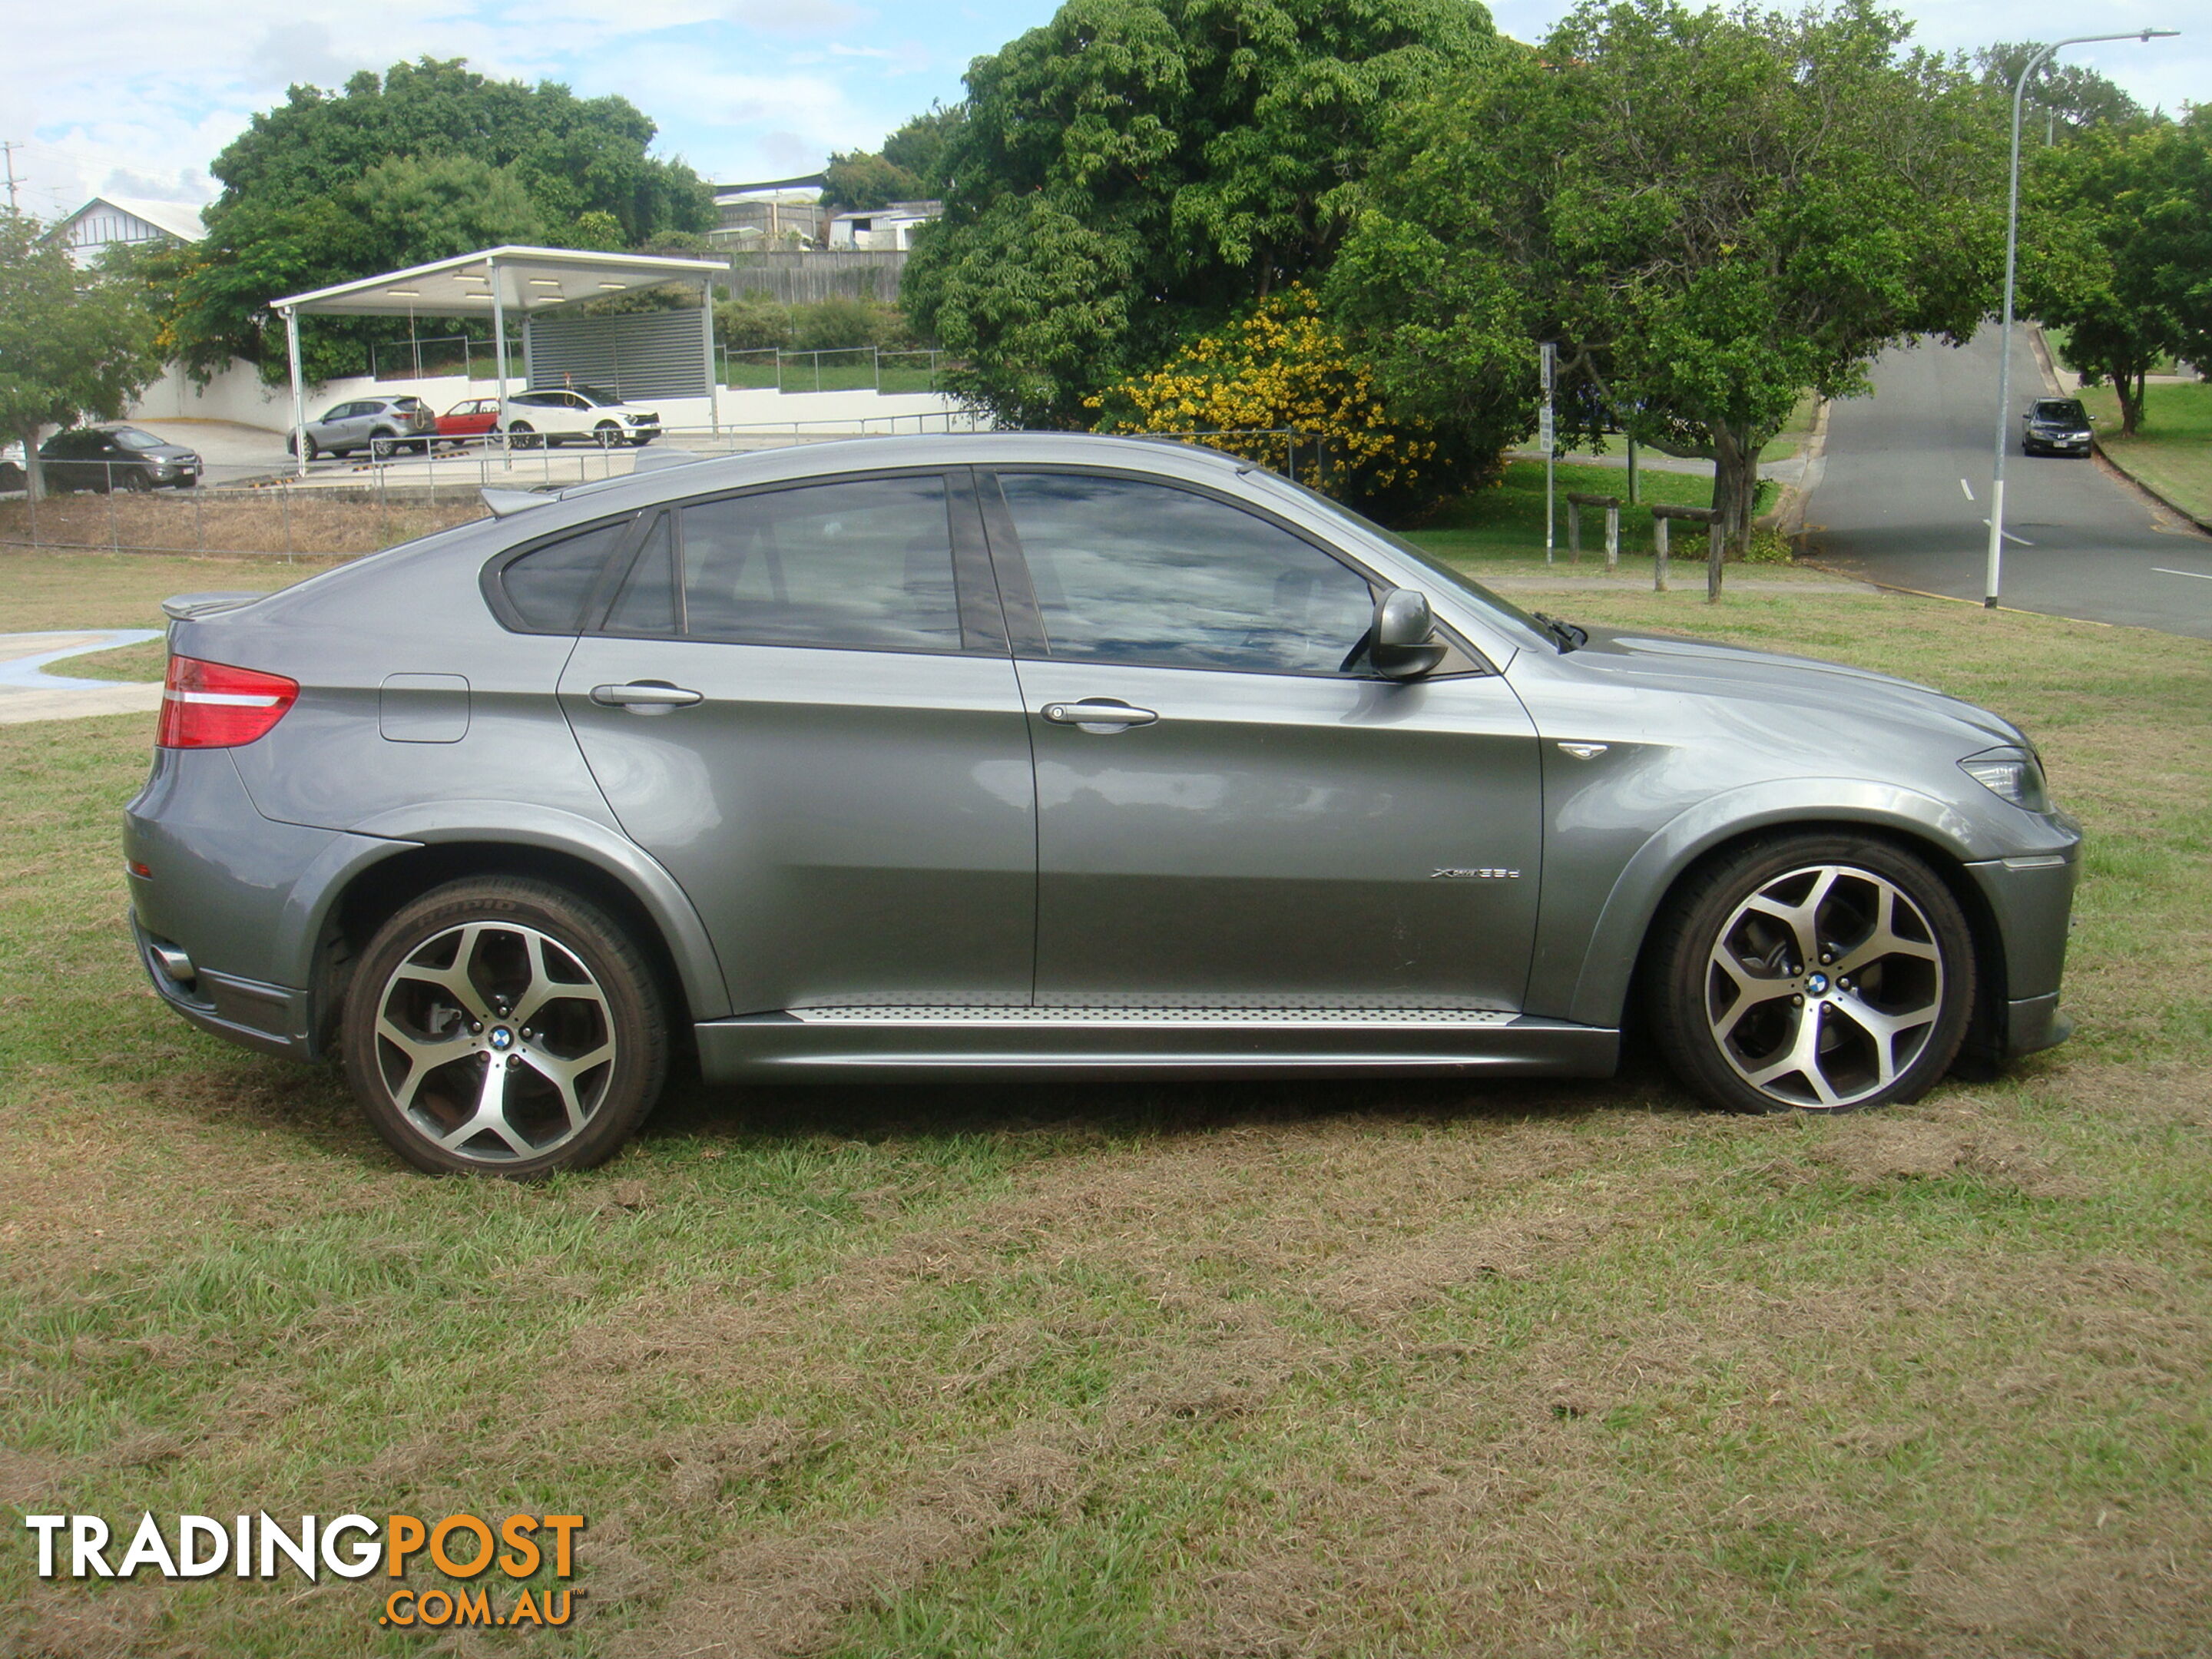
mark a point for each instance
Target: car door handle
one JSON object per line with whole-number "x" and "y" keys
{"x": 1098, "y": 715}
{"x": 646, "y": 696}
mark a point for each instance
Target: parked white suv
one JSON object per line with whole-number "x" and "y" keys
{"x": 553, "y": 415}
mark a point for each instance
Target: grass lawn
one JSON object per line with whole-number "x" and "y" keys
{"x": 2171, "y": 450}
{"x": 1390, "y": 1368}
{"x": 1502, "y": 527}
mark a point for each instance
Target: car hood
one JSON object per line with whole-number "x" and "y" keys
{"x": 169, "y": 452}
{"x": 1828, "y": 691}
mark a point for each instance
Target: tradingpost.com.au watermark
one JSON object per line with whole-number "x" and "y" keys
{"x": 461, "y": 1546}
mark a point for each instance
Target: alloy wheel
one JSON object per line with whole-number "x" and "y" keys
{"x": 494, "y": 1042}
{"x": 1824, "y": 986}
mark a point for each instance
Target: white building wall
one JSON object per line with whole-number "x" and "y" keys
{"x": 238, "y": 394}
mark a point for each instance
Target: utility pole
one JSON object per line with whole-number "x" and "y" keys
{"x": 1547, "y": 434}
{"x": 8, "y": 150}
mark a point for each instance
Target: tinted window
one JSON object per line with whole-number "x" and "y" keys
{"x": 132, "y": 438}
{"x": 547, "y": 585}
{"x": 648, "y": 602}
{"x": 2062, "y": 409}
{"x": 1141, "y": 573}
{"x": 867, "y": 564}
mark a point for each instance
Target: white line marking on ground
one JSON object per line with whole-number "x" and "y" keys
{"x": 1968, "y": 488}
{"x": 2009, "y": 536}
{"x": 2201, "y": 575}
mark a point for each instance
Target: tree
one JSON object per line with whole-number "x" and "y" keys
{"x": 918, "y": 148}
{"x": 427, "y": 161}
{"x": 73, "y": 345}
{"x": 1136, "y": 171}
{"x": 862, "y": 183}
{"x": 2117, "y": 237}
{"x": 1712, "y": 213}
{"x": 2063, "y": 98}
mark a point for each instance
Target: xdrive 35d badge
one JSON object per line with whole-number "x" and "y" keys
{"x": 1045, "y": 755}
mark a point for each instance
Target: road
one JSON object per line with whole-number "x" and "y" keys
{"x": 1904, "y": 499}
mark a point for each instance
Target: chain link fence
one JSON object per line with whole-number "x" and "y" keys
{"x": 852, "y": 369}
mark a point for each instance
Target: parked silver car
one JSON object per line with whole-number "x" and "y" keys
{"x": 382, "y": 426}
{"x": 1054, "y": 757}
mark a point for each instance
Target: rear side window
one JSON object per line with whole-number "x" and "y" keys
{"x": 547, "y": 586}
{"x": 864, "y": 565}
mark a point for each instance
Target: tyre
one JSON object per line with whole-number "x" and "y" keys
{"x": 523, "y": 436}
{"x": 137, "y": 481}
{"x": 503, "y": 1026}
{"x": 606, "y": 434}
{"x": 1823, "y": 972}
{"x": 382, "y": 446}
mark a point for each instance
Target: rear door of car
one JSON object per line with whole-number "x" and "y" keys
{"x": 801, "y": 701}
{"x": 1240, "y": 821}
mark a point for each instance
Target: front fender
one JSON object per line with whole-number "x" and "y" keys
{"x": 518, "y": 823}
{"x": 1583, "y": 969}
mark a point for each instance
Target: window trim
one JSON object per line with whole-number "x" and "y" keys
{"x": 1025, "y": 618}
{"x": 977, "y": 598}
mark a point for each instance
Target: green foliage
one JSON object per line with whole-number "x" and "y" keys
{"x": 836, "y": 324}
{"x": 427, "y": 161}
{"x": 73, "y": 345}
{"x": 1136, "y": 171}
{"x": 919, "y": 147}
{"x": 749, "y": 320}
{"x": 2116, "y": 235}
{"x": 597, "y": 230}
{"x": 1713, "y": 213}
{"x": 862, "y": 182}
{"x": 2069, "y": 98}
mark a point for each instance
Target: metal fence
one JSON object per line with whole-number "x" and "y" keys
{"x": 449, "y": 353}
{"x": 344, "y": 508}
{"x": 850, "y": 368}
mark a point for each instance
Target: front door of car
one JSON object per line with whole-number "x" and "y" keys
{"x": 1240, "y": 821}
{"x": 801, "y": 701}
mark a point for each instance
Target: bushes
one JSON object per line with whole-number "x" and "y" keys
{"x": 751, "y": 321}
{"x": 1282, "y": 366}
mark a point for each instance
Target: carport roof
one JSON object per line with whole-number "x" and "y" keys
{"x": 526, "y": 279}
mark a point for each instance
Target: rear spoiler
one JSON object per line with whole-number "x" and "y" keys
{"x": 183, "y": 607}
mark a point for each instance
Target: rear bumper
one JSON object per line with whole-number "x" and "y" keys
{"x": 271, "y": 1018}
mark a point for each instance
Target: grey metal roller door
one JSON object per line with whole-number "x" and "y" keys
{"x": 644, "y": 355}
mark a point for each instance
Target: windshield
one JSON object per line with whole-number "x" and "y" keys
{"x": 1459, "y": 580}
{"x": 132, "y": 438}
{"x": 2062, "y": 409}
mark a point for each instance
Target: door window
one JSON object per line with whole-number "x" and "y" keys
{"x": 1130, "y": 572}
{"x": 865, "y": 565}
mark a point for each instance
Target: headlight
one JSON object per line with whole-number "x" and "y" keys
{"x": 2012, "y": 773}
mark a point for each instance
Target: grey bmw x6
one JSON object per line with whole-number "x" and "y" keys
{"x": 1047, "y": 756}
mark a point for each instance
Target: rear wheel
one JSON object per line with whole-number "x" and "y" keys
{"x": 1813, "y": 972}
{"x": 506, "y": 1027}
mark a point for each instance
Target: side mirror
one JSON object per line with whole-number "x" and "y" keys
{"x": 1401, "y": 645}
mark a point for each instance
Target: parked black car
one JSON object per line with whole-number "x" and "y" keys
{"x": 116, "y": 457}
{"x": 2055, "y": 426}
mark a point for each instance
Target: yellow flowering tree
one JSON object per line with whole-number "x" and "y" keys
{"x": 1277, "y": 382}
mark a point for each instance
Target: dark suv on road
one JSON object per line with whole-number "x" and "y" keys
{"x": 2056, "y": 426}
{"x": 1048, "y": 756}
{"x": 105, "y": 458}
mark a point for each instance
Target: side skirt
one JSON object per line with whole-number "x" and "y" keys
{"x": 940, "y": 1044}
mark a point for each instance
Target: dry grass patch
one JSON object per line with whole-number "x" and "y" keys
{"x": 206, "y": 521}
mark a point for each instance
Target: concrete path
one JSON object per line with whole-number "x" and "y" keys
{"x": 1904, "y": 500}
{"x": 28, "y": 693}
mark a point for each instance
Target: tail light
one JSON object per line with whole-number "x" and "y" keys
{"x": 211, "y": 705}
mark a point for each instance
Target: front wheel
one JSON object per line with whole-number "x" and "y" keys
{"x": 521, "y": 436}
{"x": 502, "y": 1026}
{"x": 1813, "y": 972}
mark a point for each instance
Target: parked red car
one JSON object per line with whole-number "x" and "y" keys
{"x": 472, "y": 418}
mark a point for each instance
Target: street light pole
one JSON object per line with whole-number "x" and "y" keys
{"x": 2036, "y": 61}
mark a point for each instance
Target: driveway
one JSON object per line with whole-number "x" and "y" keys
{"x": 28, "y": 692}
{"x": 1904, "y": 501}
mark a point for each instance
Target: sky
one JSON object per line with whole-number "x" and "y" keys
{"x": 139, "y": 103}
